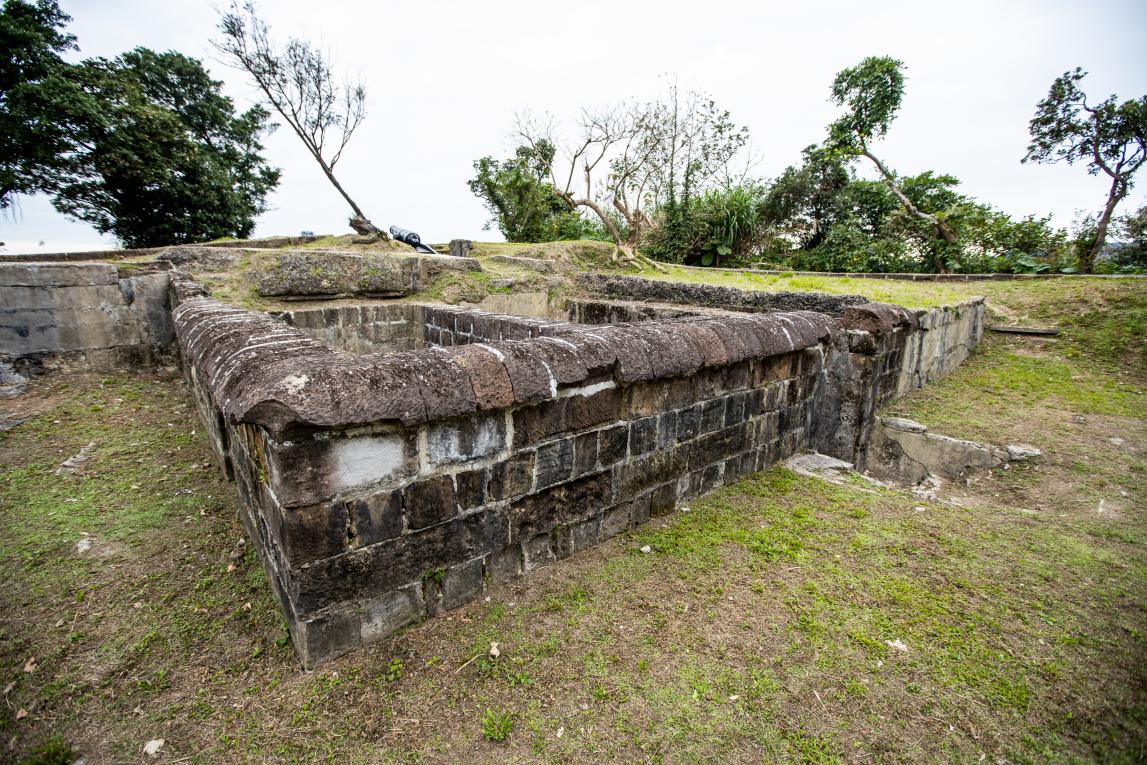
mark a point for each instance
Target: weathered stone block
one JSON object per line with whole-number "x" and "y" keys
{"x": 613, "y": 444}
{"x": 504, "y": 564}
{"x": 590, "y": 411}
{"x": 615, "y": 520}
{"x": 470, "y": 488}
{"x": 375, "y": 518}
{"x": 539, "y": 422}
{"x": 313, "y": 532}
{"x": 641, "y": 473}
{"x": 663, "y": 498}
{"x": 397, "y": 562}
{"x": 388, "y": 613}
{"x": 712, "y": 415}
{"x": 585, "y": 453}
{"x": 667, "y": 430}
{"x": 688, "y": 423}
{"x": 429, "y": 502}
{"x": 585, "y": 534}
{"x": 461, "y": 584}
{"x": 466, "y": 439}
{"x": 642, "y": 436}
{"x": 554, "y": 463}
{"x": 511, "y": 478}
{"x": 324, "y": 637}
{"x": 537, "y": 552}
{"x": 734, "y": 409}
{"x": 563, "y": 504}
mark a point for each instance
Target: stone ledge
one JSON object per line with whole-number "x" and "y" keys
{"x": 263, "y": 372}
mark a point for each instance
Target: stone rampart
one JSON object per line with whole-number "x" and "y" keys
{"x": 90, "y": 316}
{"x": 384, "y": 488}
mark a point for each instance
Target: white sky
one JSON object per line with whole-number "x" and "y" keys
{"x": 445, "y": 77}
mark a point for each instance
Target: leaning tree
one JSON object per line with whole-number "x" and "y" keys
{"x": 629, "y": 162}
{"x": 1110, "y": 137}
{"x": 299, "y": 83}
{"x": 871, "y": 92}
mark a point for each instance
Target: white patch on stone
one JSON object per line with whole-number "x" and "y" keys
{"x": 295, "y": 383}
{"x": 1022, "y": 452}
{"x": 553, "y": 380}
{"x": 587, "y": 390}
{"x": 492, "y": 350}
{"x": 454, "y": 442}
{"x": 357, "y": 461}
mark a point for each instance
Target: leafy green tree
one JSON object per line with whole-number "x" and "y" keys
{"x": 1132, "y": 251}
{"x": 34, "y": 131}
{"x": 872, "y": 92}
{"x": 525, "y": 205}
{"x": 803, "y": 202}
{"x": 1110, "y": 137}
{"x": 161, "y": 157}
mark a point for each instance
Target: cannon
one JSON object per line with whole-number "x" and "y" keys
{"x": 411, "y": 238}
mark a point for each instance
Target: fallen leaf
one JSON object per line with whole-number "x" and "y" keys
{"x": 151, "y": 748}
{"x": 494, "y": 652}
{"x": 21, "y": 714}
{"x": 230, "y": 567}
{"x": 646, "y": 549}
{"x": 30, "y": 665}
{"x": 561, "y": 731}
{"x": 898, "y": 644}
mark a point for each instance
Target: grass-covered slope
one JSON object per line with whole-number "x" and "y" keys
{"x": 778, "y": 620}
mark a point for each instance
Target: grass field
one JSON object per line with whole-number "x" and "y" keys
{"x": 778, "y": 620}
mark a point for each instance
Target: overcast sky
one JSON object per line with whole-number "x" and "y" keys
{"x": 445, "y": 78}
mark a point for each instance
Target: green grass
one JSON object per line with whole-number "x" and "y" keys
{"x": 763, "y": 627}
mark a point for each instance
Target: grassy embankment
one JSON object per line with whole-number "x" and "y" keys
{"x": 766, "y": 625}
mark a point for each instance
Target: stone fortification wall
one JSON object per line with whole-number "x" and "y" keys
{"x": 381, "y": 489}
{"x": 396, "y": 460}
{"x": 91, "y": 316}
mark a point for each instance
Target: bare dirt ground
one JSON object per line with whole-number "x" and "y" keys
{"x": 778, "y": 620}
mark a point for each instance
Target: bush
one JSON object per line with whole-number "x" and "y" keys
{"x": 719, "y": 227}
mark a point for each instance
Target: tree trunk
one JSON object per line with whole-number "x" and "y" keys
{"x": 1088, "y": 258}
{"x": 575, "y": 203}
{"x": 939, "y": 227}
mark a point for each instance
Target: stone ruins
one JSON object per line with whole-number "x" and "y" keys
{"x": 396, "y": 459}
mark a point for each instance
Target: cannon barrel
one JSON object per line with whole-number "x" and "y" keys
{"x": 411, "y": 238}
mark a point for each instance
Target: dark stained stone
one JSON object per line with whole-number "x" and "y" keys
{"x": 511, "y": 478}
{"x": 583, "y": 412}
{"x": 429, "y": 502}
{"x": 376, "y": 517}
{"x": 613, "y": 444}
{"x": 555, "y": 462}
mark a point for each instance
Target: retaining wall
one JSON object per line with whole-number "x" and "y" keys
{"x": 91, "y": 316}
{"x": 394, "y": 461}
{"x": 381, "y": 489}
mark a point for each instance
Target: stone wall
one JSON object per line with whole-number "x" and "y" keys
{"x": 395, "y": 460}
{"x": 381, "y": 489}
{"x": 701, "y": 295}
{"x": 374, "y": 328}
{"x": 326, "y": 275}
{"x": 881, "y": 353}
{"x": 91, "y": 316}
